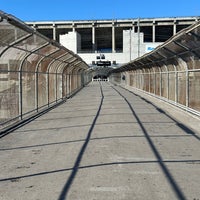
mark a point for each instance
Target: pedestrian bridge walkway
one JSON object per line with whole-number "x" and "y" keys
{"x": 105, "y": 143}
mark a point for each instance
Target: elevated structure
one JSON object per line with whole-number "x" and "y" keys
{"x": 120, "y": 40}
{"x": 36, "y": 73}
{"x": 170, "y": 72}
{"x": 105, "y": 143}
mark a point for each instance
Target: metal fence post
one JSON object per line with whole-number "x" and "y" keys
{"x": 20, "y": 95}
{"x": 37, "y": 91}
{"x": 187, "y": 88}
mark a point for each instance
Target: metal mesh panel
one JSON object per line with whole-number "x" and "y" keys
{"x": 9, "y": 96}
{"x": 42, "y": 89}
{"x": 52, "y": 87}
{"x": 179, "y": 62}
{"x": 73, "y": 82}
{"x": 28, "y": 66}
{"x": 12, "y": 58}
{"x": 194, "y": 63}
{"x": 152, "y": 82}
{"x": 9, "y": 34}
{"x": 182, "y": 88}
{"x": 59, "y": 86}
{"x": 64, "y": 89}
{"x": 194, "y": 90}
{"x": 164, "y": 89}
{"x": 158, "y": 82}
{"x": 172, "y": 86}
{"x": 30, "y": 63}
{"x": 68, "y": 84}
{"x": 31, "y": 43}
{"x": 141, "y": 81}
{"x": 146, "y": 82}
{"x": 131, "y": 79}
{"x": 28, "y": 92}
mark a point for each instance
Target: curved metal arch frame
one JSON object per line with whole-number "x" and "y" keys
{"x": 56, "y": 66}
{"x": 14, "y": 43}
{"x": 53, "y": 61}
{"x": 20, "y": 77}
{"x": 28, "y": 33}
{"x": 178, "y": 59}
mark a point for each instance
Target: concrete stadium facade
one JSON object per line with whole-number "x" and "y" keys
{"x": 119, "y": 40}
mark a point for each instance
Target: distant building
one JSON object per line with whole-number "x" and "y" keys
{"x": 119, "y": 40}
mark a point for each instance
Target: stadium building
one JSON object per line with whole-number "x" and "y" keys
{"x": 115, "y": 41}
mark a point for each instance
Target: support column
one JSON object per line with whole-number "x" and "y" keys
{"x": 113, "y": 38}
{"x": 133, "y": 26}
{"x": 73, "y": 27}
{"x": 138, "y": 24}
{"x": 154, "y": 32}
{"x": 93, "y": 38}
{"x": 131, "y": 32}
{"x": 130, "y": 43}
{"x": 174, "y": 28}
{"x": 54, "y": 32}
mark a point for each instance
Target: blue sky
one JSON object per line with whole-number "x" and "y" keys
{"x": 42, "y": 10}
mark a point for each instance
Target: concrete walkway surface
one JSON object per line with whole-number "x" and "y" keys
{"x": 105, "y": 143}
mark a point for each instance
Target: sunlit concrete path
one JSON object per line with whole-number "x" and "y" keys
{"x": 105, "y": 143}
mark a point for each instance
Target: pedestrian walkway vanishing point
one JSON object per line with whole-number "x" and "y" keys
{"x": 105, "y": 143}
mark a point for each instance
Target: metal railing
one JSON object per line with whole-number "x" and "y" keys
{"x": 171, "y": 72}
{"x": 100, "y": 79}
{"x": 36, "y": 73}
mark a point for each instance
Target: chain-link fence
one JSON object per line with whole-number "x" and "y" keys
{"x": 170, "y": 72}
{"x": 35, "y": 72}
